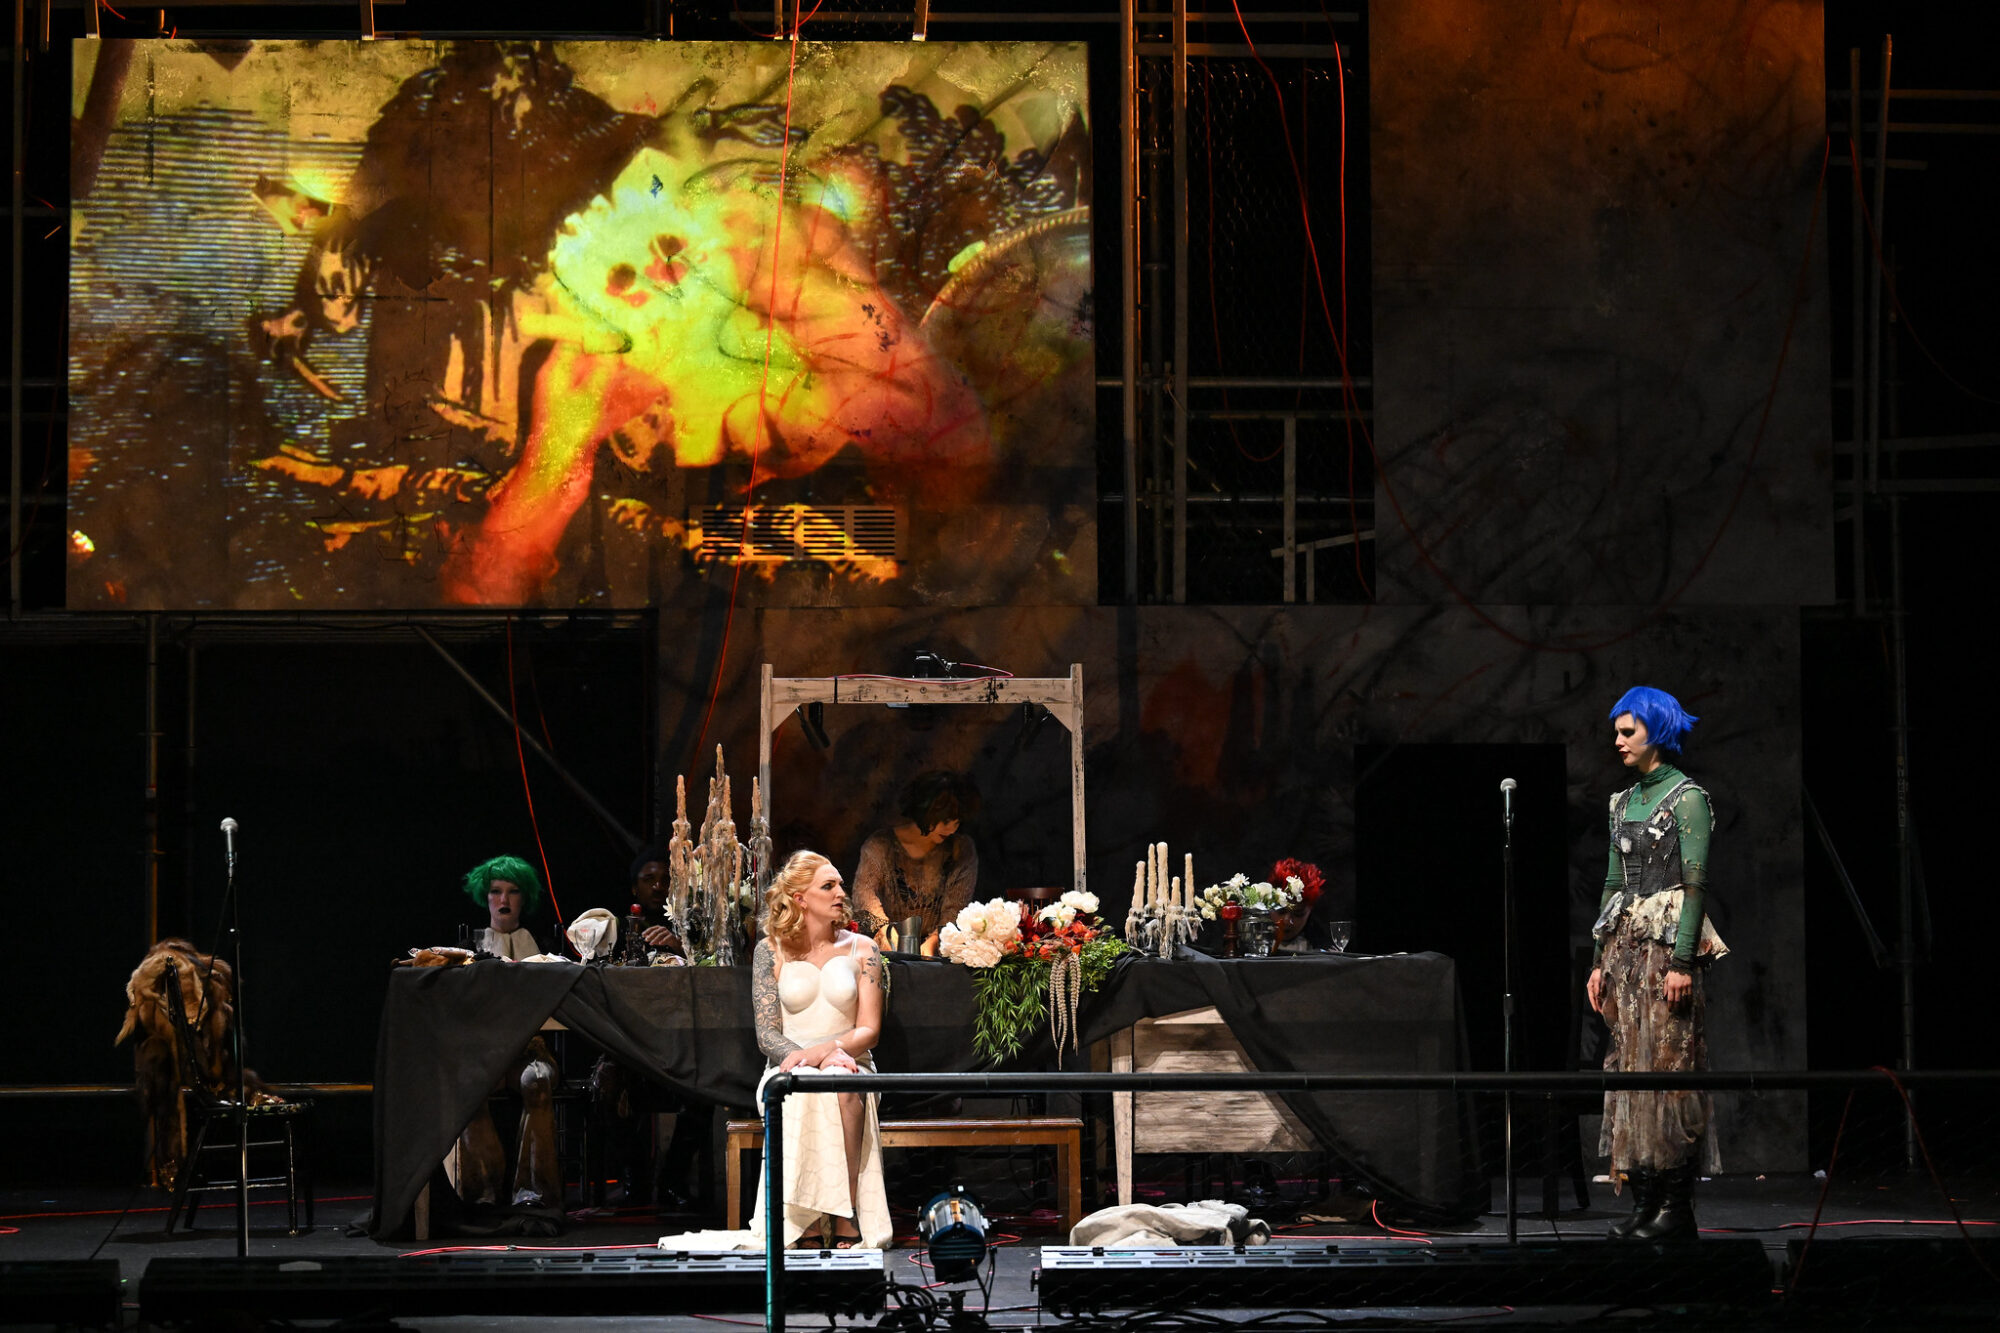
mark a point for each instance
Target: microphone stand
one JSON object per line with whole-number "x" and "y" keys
{"x": 236, "y": 1030}
{"x": 1507, "y": 994}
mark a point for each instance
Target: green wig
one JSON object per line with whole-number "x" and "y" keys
{"x": 510, "y": 868}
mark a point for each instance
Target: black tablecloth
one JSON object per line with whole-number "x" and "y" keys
{"x": 447, "y": 1033}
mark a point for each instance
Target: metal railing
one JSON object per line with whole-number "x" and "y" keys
{"x": 1007, "y": 1084}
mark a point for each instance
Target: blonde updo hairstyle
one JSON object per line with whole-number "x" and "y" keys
{"x": 784, "y": 922}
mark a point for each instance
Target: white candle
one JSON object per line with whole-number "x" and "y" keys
{"x": 1188, "y": 879}
{"x": 1174, "y": 893}
{"x": 1160, "y": 874}
{"x": 1138, "y": 884}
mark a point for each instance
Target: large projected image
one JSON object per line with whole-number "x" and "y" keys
{"x": 413, "y": 324}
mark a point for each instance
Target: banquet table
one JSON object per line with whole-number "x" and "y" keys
{"x": 448, "y": 1032}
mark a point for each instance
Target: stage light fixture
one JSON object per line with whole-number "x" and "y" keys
{"x": 953, "y": 1228}
{"x": 928, "y": 666}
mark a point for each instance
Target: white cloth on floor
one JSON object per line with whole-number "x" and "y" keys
{"x": 1138, "y": 1226}
{"x": 816, "y": 1003}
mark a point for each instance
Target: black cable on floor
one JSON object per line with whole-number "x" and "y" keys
{"x": 119, "y": 1221}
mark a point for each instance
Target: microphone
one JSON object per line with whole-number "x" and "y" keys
{"x": 229, "y": 842}
{"x": 1507, "y": 786}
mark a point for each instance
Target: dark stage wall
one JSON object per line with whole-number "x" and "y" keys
{"x": 1600, "y": 345}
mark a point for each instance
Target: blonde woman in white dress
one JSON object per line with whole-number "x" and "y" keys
{"x": 816, "y": 995}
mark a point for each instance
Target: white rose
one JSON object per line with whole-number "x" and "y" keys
{"x": 1079, "y": 902}
{"x": 1058, "y": 915}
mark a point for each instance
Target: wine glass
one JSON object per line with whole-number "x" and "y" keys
{"x": 1341, "y": 932}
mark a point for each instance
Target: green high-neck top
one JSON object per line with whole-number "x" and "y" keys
{"x": 1697, "y": 823}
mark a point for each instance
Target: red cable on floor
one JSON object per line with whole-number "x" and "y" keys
{"x": 1374, "y": 1205}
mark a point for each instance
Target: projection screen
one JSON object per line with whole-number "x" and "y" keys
{"x": 375, "y": 325}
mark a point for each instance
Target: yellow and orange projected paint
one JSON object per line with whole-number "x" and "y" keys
{"x": 478, "y": 323}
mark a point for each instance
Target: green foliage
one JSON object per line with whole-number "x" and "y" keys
{"x": 1012, "y": 996}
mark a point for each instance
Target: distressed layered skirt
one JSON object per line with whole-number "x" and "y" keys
{"x": 1654, "y": 1131}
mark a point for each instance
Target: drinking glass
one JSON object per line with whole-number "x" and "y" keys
{"x": 1342, "y": 932}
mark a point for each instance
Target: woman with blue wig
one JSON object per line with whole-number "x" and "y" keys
{"x": 1654, "y": 941}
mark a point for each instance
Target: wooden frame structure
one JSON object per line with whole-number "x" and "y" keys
{"x": 1061, "y": 695}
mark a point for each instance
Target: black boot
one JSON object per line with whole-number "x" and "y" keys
{"x": 1644, "y": 1183}
{"x": 1675, "y": 1218}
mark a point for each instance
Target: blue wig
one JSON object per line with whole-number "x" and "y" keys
{"x": 1667, "y": 723}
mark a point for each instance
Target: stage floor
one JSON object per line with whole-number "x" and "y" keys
{"x": 81, "y": 1223}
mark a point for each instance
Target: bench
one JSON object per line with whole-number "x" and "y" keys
{"x": 1065, "y": 1133}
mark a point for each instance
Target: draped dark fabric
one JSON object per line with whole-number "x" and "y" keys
{"x": 448, "y": 1032}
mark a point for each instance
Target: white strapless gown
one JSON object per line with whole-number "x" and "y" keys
{"x": 817, "y": 1003}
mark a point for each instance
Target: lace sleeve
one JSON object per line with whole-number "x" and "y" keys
{"x": 870, "y": 875}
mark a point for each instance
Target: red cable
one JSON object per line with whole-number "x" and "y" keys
{"x": 520, "y": 754}
{"x": 1950, "y": 1204}
{"x": 1353, "y": 402}
{"x": 1373, "y": 1206}
{"x": 1826, "y": 1184}
{"x": 1337, "y": 332}
{"x": 763, "y": 385}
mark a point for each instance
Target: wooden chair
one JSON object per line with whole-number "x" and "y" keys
{"x": 1064, "y": 1133}
{"x": 215, "y": 1118}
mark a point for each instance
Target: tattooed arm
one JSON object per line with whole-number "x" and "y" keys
{"x": 764, "y": 1007}
{"x": 867, "y": 1029}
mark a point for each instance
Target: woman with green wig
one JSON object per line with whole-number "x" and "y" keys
{"x": 508, "y": 888}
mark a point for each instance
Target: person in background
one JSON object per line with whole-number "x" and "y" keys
{"x": 649, "y": 890}
{"x": 669, "y": 1178}
{"x": 924, "y": 865}
{"x": 508, "y": 888}
{"x": 510, "y": 891}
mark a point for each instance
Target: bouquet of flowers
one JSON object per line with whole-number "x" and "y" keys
{"x": 1238, "y": 892}
{"x": 1028, "y": 965}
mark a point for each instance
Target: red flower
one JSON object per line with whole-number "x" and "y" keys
{"x": 1305, "y": 872}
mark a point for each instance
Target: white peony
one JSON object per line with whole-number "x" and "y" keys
{"x": 1057, "y": 914}
{"x": 970, "y": 950}
{"x": 972, "y": 918}
{"x": 1080, "y": 903}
